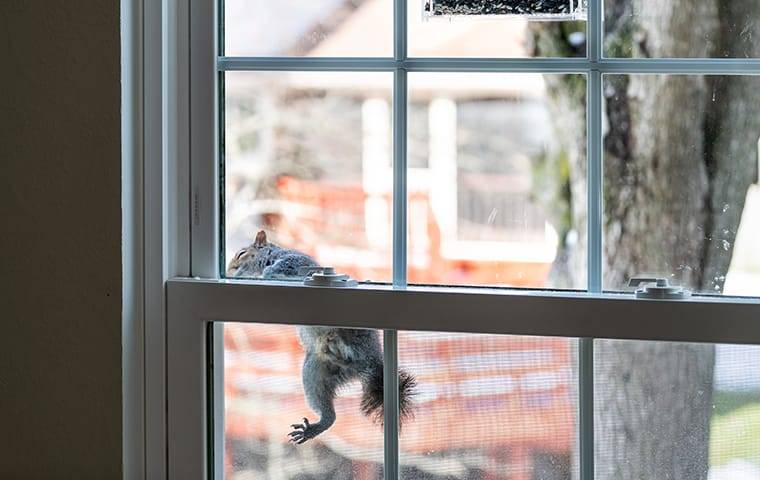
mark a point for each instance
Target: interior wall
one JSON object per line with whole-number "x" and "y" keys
{"x": 60, "y": 236}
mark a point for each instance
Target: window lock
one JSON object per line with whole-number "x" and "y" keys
{"x": 326, "y": 277}
{"x": 658, "y": 289}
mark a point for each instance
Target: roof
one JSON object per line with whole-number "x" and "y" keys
{"x": 371, "y": 26}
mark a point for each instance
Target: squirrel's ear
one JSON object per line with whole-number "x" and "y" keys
{"x": 261, "y": 239}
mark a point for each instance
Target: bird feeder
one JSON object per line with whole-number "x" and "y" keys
{"x": 556, "y": 10}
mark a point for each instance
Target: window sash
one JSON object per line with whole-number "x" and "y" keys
{"x": 195, "y": 368}
{"x": 206, "y": 208}
{"x": 193, "y": 340}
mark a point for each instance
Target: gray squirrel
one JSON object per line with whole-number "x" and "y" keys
{"x": 334, "y": 356}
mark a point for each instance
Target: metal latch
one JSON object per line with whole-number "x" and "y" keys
{"x": 658, "y": 288}
{"x": 325, "y": 277}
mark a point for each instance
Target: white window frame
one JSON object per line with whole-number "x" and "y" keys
{"x": 173, "y": 293}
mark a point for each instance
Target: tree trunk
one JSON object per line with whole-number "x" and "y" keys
{"x": 653, "y": 404}
{"x": 679, "y": 156}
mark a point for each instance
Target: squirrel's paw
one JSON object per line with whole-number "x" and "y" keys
{"x": 303, "y": 432}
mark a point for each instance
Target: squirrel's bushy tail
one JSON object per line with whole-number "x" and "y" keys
{"x": 372, "y": 396}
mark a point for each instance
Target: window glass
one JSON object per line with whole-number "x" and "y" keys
{"x": 311, "y": 28}
{"x": 681, "y": 28}
{"x": 472, "y": 29}
{"x": 676, "y": 410}
{"x": 489, "y": 407}
{"x": 680, "y": 173}
{"x": 265, "y": 399}
{"x": 501, "y": 199}
{"x": 308, "y": 162}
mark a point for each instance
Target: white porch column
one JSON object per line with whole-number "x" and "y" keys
{"x": 376, "y": 170}
{"x": 442, "y": 122}
{"x": 743, "y": 277}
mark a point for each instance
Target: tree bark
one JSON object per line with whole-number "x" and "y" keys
{"x": 653, "y": 404}
{"x": 680, "y": 152}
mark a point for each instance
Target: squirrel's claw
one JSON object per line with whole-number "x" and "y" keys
{"x": 302, "y": 432}
{"x": 305, "y": 425}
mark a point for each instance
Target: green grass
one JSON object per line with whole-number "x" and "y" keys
{"x": 735, "y": 434}
{"x": 726, "y": 402}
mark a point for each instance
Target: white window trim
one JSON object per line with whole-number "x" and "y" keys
{"x": 133, "y": 407}
{"x": 155, "y": 220}
{"x": 171, "y": 218}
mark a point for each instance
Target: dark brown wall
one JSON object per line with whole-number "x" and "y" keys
{"x": 60, "y": 235}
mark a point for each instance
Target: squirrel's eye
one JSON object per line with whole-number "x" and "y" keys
{"x": 239, "y": 254}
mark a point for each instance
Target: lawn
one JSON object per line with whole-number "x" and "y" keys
{"x": 735, "y": 434}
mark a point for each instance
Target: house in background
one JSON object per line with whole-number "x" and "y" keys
{"x": 472, "y": 138}
{"x": 743, "y": 276}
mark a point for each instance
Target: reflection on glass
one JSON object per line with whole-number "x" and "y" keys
{"x": 676, "y": 410}
{"x": 491, "y": 407}
{"x": 681, "y": 28}
{"x": 680, "y": 160}
{"x": 484, "y": 35}
{"x": 308, "y": 161}
{"x": 264, "y": 397}
{"x": 314, "y": 28}
{"x": 497, "y": 190}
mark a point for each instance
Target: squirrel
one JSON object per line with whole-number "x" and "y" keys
{"x": 334, "y": 356}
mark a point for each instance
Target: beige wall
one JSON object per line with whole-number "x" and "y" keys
{"x": 60, "y": 231}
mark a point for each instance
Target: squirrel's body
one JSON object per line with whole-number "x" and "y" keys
{"x": 267, "y": 260}
{"x": 334, "y": 356}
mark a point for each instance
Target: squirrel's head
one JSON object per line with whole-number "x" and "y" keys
{"x": 245, "y": 253}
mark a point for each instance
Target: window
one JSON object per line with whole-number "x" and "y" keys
{"x": 493, "y": 182}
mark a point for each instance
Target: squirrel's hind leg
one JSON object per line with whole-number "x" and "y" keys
{"x": 319, "y": 384}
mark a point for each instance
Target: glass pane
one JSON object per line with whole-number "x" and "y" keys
{"x": 676, "y": 410}
{"x": 308, "y": 161}
{"x": 461, "y": 32}
{"x": 491, "y": 407}
{"x": 501, "y": 196}
{"x": 313, "y": 28}
{"x": 680, "y": 161}
{"x": 264, "y": 396}
{"x": 681, "y": 28}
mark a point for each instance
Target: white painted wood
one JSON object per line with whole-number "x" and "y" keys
{"x": 715, "y": 66}
{"x": 204, "y": 140}
{"x": 133, "y": 326}
{"x": 476, "y": 310}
